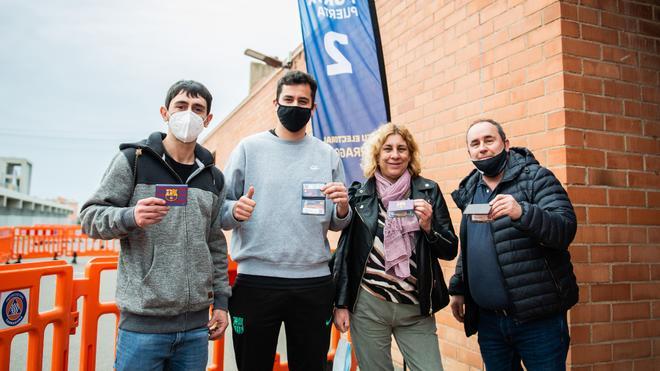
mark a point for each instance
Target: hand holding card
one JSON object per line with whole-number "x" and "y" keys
{"x": 337, "y": 193}
{"x": 504, "y": 204}
{"x": 424, "y": 212}
{"x": 149, "y": 211}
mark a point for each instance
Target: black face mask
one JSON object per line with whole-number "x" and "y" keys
{"x": 492, "y": 166}
{"x": 293, "y": 118}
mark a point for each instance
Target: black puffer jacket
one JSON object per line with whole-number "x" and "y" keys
{"x": 357, "y": 240}
{"x": 533, "y": 250}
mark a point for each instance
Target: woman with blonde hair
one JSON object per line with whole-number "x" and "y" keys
{"x": 386, "y": 267}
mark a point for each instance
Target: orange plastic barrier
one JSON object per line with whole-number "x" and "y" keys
{"x": 6, "y": 244}
{"x": 89, "y": 287}
{"x": 42, "y": 241}
{"x": 218, "y": 355}
{"x": 80, "y": 244}
{"x": 64, "y": 316}
{"x": 38, "y": 241}
{"x": 25, "y": 279}
{"x": 27, "y": 276}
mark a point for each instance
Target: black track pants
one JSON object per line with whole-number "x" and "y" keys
{"x": 257, "y": 313}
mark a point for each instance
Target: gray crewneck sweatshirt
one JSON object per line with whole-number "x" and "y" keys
{"x": 279, "y": 240}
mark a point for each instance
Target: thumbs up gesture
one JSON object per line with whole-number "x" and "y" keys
{"x": 244, "y": 206}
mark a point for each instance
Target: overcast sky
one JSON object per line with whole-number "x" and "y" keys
{"x": 78, "y": 77}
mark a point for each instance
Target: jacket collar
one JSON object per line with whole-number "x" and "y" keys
{"x": 155, "y": 143}
{"x": 519, "y": 159}
{"x": 368, "y": 188}
{"x": 422, "y": 184}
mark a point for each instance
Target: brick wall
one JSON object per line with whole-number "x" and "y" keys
{"x": 611, "y": 79}
{"x": 451, "y": 62}
{"x": 577, "y": 83}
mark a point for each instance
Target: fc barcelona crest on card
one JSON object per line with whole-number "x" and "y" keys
{"x": 173, "y": 194}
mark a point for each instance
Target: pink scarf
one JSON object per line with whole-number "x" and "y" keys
{"x": 399, "y": 232}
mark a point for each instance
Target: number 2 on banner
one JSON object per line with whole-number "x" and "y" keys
{"x": 341, "y": 65}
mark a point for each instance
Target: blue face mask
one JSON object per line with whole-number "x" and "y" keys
{"x": 491, "y": 167}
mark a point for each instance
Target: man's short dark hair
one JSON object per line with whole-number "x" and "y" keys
{"x": 193, "y": 89}
{"x": 296, "y": 78}
{"x": 492, "y": 122}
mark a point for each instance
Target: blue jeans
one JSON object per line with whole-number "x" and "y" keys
{"x": 541, "y": 344}
{"x": 170, "y": 351}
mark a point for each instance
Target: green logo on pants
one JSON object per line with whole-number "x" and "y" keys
{"x": 238, "y": 325}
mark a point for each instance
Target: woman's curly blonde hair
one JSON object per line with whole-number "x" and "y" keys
{"x": 372, "y": 146}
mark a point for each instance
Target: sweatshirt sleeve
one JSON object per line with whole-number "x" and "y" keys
{"x": 106, "y": 215}
{"x": 338, "y": 175}
{"x": 218, "y": 248}
{"x": 234, "y": 185}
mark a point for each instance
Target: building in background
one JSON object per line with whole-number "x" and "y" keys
{"x": 15, "y": 174}
{"x": 577, "y": 82}
{"x": 18, "y": 207}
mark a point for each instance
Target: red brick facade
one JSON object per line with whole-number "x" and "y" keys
{"x": 577, "y": 82}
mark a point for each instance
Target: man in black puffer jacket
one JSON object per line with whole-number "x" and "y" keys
{"x": 514, "y": 279}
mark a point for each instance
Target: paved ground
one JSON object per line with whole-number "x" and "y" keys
{"x": 106, "y": 332}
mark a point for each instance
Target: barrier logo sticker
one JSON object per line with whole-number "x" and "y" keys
{"x": 14, "y": 307}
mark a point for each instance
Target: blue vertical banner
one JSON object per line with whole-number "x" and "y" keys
{"x": 343, "y": 53}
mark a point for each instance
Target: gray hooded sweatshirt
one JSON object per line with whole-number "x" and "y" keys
{"x": 171, "y": 272}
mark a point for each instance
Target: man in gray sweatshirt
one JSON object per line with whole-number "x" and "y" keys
{"x": 162, "y": 198}
{"x": 285, "y": 190}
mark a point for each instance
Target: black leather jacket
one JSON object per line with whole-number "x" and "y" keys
{"x": 357, "y": 240}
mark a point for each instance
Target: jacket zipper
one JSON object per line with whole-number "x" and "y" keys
{"x": 552, "y": 275}
{"x": 506, "y": 287}
{"x": 428, "y": 199}
{"x": 431, "y": 286}
{"x": 184, "y": 210}
{"x": 443, "y": 237}
{"x": 170, "y": 168}
{"x": 364, "y": 269}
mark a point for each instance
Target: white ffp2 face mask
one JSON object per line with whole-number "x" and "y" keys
{"x": 186, "y": 125}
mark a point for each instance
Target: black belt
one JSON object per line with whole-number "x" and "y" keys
{"x": 497, "y": 312}
{"x": 502, "y": 312}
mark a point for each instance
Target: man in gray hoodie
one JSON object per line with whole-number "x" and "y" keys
{"x": 162, "y": 197}
{"x": 285, "y": 190}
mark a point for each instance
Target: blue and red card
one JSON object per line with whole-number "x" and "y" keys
{"x": 173, "y": 194}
